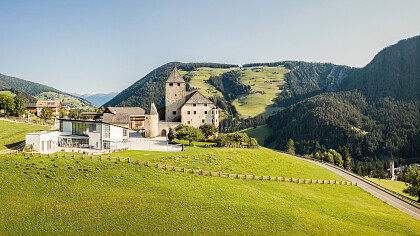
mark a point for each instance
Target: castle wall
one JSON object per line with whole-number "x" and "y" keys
{"x": 196, "y": 115}
{"x": 164, "y": 126}
{"x": 175, "y": 97}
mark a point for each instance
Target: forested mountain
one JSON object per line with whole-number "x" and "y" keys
{"x": 32, "y": 88}
{"x": 23, "y": 95}
{"x": 228, "y": 83}
{"x": 375, "y": 111}
{"x": 151, "y": 87}
{"x": 39, "y": 90}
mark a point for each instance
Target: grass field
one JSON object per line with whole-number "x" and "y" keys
{"x": 396, "y": 186}
{"x": 8, "y": 93}
{"x": 264, "y": 79}
{"x": 49, "y": 196}
{"x": 261, "y": 79}
{"x": 12, "y": 133}
{"x": 260, "y": 133}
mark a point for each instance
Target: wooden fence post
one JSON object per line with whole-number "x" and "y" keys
{"x": 128, "y": 160}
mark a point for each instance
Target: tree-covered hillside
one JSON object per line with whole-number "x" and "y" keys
{"x": 376, "y": 111}
{"x": 39, "y": 90}
{"x": 151, "y": 87}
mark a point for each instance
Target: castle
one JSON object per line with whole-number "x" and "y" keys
{"x": 181, "y": 107}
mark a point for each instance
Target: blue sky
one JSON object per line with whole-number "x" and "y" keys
{"x": 105, "y": 46}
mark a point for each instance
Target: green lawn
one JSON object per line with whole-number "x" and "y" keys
{"x": 48, "y": 196}
{"x": 260, "y": 133}
{"x": 12, "y": 133}
{"x": 260, "y": 161}
{"x": 396, "y": 186}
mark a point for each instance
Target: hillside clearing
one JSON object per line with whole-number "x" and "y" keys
{"x": 396, "y": 186}
{"x": 260, "y": 133}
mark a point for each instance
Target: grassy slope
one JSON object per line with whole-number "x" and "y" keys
{"x": 266, "y": 79}
{"x": 235, "y": 161}
{"x": 12, "y": 133}
{"x": 58, "y": 196}
{"x": 258, "y": 79}
{"x": 8, "y": 93}
{"x": 70, "y": 101}
{"x": 260, "y": 133}
{"x": 396, "y": 186}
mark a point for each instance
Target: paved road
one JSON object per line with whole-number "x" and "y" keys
{"x": 374, "y": 190}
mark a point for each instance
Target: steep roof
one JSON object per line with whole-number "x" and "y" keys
{"x": 116, "y": 119}
{"x": 152, "y": 109}
{"x": 46, "y": 103}
{"x": 133, "y": 111}
{"x": 197, "y": 97}
{"x": 175, "y": 77}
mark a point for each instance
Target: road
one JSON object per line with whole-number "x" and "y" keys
{"x": 392, "y": 200}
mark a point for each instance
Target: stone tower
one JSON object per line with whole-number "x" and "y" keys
{"x": 151, "y": 125}
{"x": 175, "y": 90}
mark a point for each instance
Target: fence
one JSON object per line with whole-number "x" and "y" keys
{"x": 25, "y": 120}
{"x": 185, "y": 170}
{"x": 395, "y": 194}
{"x": 231, "y": 146}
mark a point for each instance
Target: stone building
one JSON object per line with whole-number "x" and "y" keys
{"x": 188, "y": 108}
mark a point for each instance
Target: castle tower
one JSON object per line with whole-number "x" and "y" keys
{"x": 151, "y": 125}
{"x": 175, "y": 90}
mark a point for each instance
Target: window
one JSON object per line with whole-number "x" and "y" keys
{"x": 216, "y": 111}
{"x": 194, "y": 105}
{"x": 195, "y": 112}
{"x": 212, "y": 112}
{"x": 173, "y": 112}
{"x": 202, "y": 121}
{"x": 188, "y": 112}
{"x": 205, "y": 104}
{"x": 188, "y": 122}
{"x": 211, "y": 120}
{"x": 171, "y": 84}
{"x": 79, "y": 128}
{"x": 205, "y": 112}
{"x": 61, "y": 126}
{"x": 92, "y": 128}
{"x": 124, "y": 132}
{"x": 179, "y": 84}
{"x": 106, "y": 131}
{"x": 175, "y": 94}
{"x": 216, "y": 120}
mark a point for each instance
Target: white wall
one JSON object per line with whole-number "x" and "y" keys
{"x": 195, "y": 120}
{"x": 95, "y": 140}
{"x": 116, "y": 132}
{"x": 36, "y": 140}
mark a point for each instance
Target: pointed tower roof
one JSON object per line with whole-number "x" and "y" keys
{"x": 151, "y": 110}
{"x": 175, "y": 77}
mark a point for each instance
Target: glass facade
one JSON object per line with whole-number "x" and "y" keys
{"x": 106, "y": 131}
{"x": 80, "y": 128}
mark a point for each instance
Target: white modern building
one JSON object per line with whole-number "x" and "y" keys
{"x": 96, "y": 135}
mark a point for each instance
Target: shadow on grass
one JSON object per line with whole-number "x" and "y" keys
{"x": 11, "y": 145}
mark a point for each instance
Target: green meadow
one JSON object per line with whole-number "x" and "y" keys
{"x": 12, "y": 133}
{"x": 396, "y": 186}
{"x": 260, "y": 133}
{"x": 57, "y": 196}
{"x": 8, "y": 93}
{"x": 265, "y": 82}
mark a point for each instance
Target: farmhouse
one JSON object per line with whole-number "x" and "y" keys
{"x": 129, "y": 117}
{"x": 36, "y": 108}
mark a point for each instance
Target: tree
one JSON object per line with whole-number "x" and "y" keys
{"x": 63, "y": 112}
{"x": 413, "y": 183}
{"x": 208, "y": 130}
{"x": 338, "y": 160}
{"x": 8, "y": 104}
{"x": 100, "y": 110}
{"x": 252, "y": 142}
{"x": 46, "y": 113}
{"x": 73, "y": 114}
{"x": 347, "y": 162}
{"x": 290, "y": 146}
{"x": 20, "y": 108}
{"x": 171, "y": 135}
{"x": 188, "y": 133}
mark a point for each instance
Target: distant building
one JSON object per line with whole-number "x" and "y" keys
{"x": 36, "y": 108}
